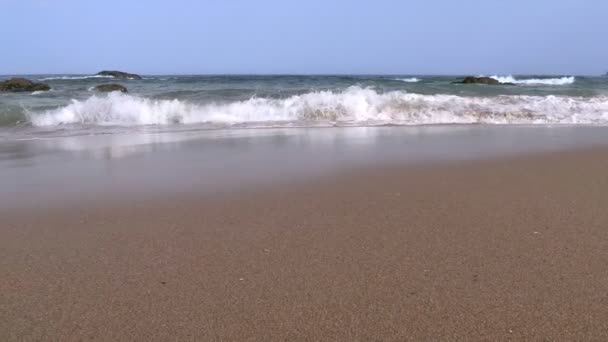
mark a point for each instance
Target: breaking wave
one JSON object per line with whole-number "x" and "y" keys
{"x": 355, "y": 105}
{"x": 408, "y": 80}
{"x": 38, "y": 92}
{"x": 536, "y": 81}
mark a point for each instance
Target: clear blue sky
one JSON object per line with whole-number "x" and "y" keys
{"x": 307, "y": 36}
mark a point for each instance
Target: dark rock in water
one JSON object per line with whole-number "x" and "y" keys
{"x": 111, "y": 87}
{"x": 119, "y": 74}
{"x": 482, "y": 80}
{"x": 22, "y": 84}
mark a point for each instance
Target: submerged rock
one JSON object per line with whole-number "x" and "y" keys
{"x": 111, "y": 87}
{"x": 119, "y": 74}
{"x": 482, "y": 80}
{"x": 22, "y": 84}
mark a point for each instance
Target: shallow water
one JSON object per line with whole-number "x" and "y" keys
{"x": 113, "y": 167}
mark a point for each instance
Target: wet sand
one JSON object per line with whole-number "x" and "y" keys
{"x": 508, "y": 249}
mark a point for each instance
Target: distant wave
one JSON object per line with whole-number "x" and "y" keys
{"x": 352, "y": 106}
{"x": 536, "y": 81}
{"x": 72, "y": 77}
{"x": 408, "y": 80}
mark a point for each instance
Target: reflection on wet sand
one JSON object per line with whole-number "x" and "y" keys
{"x": 135, "y": 164}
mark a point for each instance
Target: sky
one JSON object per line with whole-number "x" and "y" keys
{"x": 305, "y": 36}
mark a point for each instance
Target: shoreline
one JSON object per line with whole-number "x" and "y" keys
{"x": 513, "y": 248}
{"x": 83, "y": 170}
{"x": 116, "y": 201}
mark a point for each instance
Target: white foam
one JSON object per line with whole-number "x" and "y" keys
{"x": 73, "y": 77}
{"x": 38, "y": 92}
{"x": 536, "y": 81}
{"x": 408, "y": 80}
{"x": 354, "y": 105}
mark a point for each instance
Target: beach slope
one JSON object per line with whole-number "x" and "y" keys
{"x": 510, "y": 249}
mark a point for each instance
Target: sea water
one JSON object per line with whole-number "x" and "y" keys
{"x": 191, "y": 102}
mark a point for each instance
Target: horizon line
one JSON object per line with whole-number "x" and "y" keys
{"x": 314, "y": 74}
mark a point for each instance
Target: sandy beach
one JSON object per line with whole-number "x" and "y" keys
{"x": 260, "y": 171}
{"x": 511, "y": 248}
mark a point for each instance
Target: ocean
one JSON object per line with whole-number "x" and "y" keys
{"x": 192, "y": 102}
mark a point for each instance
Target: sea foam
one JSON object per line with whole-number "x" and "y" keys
{"x": 536, "y": 81}
{"x": 355, "y": 105}
{"x": 408, "y": 80}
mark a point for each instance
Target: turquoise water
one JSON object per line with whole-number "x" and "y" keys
{"x": 209, "y": 102}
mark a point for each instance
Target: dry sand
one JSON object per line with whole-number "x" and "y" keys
{"x": 503, "y": 250}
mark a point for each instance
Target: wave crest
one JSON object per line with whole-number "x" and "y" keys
{"x": 536, "y": 81}
{"x": 408, "y": 80}
{"x": 354, "y": 105}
